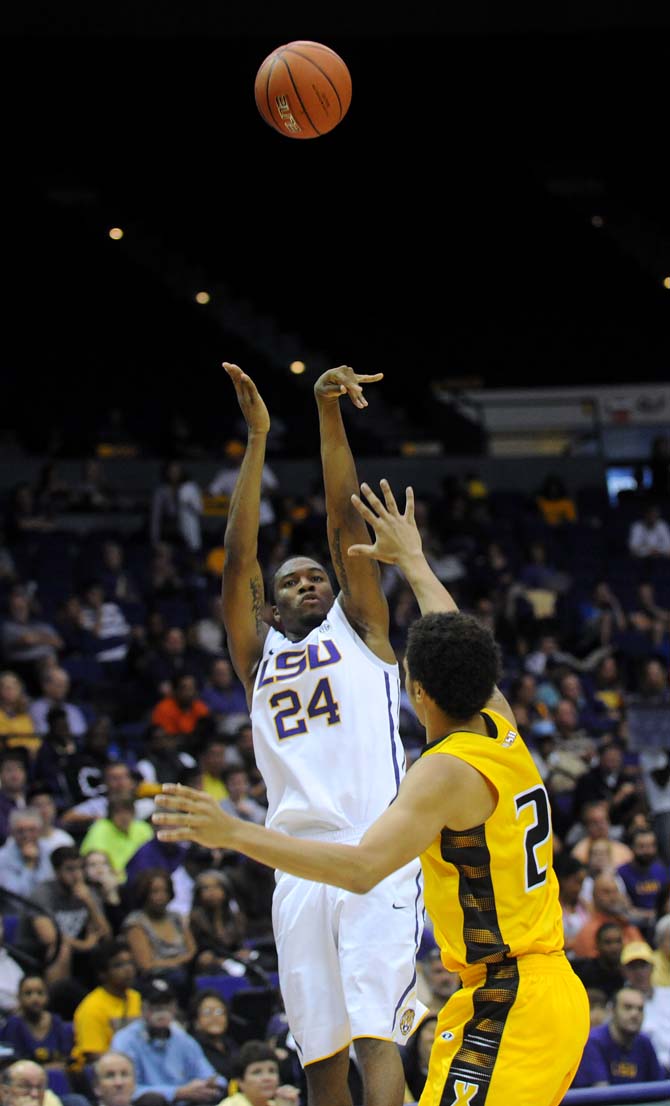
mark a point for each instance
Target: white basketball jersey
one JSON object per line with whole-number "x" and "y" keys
{"x": 325, "y": 725}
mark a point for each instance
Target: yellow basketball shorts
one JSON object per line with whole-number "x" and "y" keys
{"x": 514, "y": 1033}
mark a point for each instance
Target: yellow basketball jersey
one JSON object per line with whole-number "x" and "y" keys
{"x": 491, "y": 891}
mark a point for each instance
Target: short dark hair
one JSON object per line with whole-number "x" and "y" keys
{"x": 181, "y": 676}
{"x": 253, "y": 1052}
{"x": 638, "y": 831}
{"x": 114, "y": 762}
{"x": 602, "y": 929}
{"x": 233, "y": 770}
{"x": 62, "y": 854}
{"x": 282, "y": 568}
{"x": 29, "y": 976}
{"x": 11, "y": 755}
{"x": 39, "y": 787}
{"x": 456, "y": 660}
{"x": 107, "y": 951}
{"x": 565, "y": 864}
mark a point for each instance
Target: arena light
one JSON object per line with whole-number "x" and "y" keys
{"x": 297, "y": 367}
{"x": 666, "y": 282}
{"x": 202, "y": 297}
{"x": 116, "y": 233}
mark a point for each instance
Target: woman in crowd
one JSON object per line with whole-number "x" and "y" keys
{"x": 160, "y": 939}
{"x": 33, "y": 1031}
{"x": 209, "y": 1020}
{"x": 217, "y": 923}
{"x": 105, "y": 884}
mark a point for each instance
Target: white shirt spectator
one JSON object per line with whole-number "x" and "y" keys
{"x": 40, "y": 708}
{"x": 656, "y": 1022}
{"x": 184, "y": 885}
{"x": 224, "y": 484}
{"x": 108, "y": 622}
{"x": 651, "y": 760}
{"x": 55, "y": 688}
{"x": 10, "y": 977}
{"x": 650, "y": 536}
{"x": 184, "y": 506}
{"x": 16, "y": 876}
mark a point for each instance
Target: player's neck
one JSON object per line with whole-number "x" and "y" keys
{"x": 441, "y": 724}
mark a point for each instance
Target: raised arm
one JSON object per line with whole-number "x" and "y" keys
{"x": 362, "y": 596}
{"x": 242, "y": 587}
{"x": 398, "y": 542}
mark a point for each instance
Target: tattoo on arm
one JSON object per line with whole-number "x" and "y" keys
{"x": 256, "y": 602}
{"x": 338, "y": 560}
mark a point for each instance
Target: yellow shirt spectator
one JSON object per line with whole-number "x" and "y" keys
{"x": 97, "y": 1019}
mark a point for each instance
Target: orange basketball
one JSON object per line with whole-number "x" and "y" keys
{"x": 303, "y": 89}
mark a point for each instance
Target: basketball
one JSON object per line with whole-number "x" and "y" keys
{"x": 303, "y": 89}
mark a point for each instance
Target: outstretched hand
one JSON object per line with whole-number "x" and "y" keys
{"x": 397, "y": 537}
{"x": 249, "y": 398}
{"x": 186, "y": 814}
{"x": 344, "y": 381}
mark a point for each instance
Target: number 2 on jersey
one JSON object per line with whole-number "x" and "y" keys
{"x": 289, "y": 721}
{"x": 537, "y": 833}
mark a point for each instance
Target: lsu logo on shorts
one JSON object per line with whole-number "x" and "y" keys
{"x": 406, "y": 1021}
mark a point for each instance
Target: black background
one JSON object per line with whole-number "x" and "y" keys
{"x": 443, "y": 230}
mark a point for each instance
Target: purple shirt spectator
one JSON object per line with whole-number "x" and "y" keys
{"x": 644, "y": 884}
{"x": 155, "y": 854}
{"x": 223, "y": 693}
{"x": 55, "y": 1047}
{"x": 605, "y": 1061}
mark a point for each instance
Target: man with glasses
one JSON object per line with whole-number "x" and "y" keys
{"x": 24, "y": 1083}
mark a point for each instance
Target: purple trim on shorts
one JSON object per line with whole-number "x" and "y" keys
{"x": 412, "y": 982}
{"x": 396, "y": 767}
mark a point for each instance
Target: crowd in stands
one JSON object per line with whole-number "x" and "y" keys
{"x": 135, "y": 970}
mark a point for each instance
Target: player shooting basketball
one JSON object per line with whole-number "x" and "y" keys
{"x": 323, "y": 688}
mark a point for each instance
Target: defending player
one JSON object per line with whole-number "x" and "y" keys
{"x": 475, "y": 808}
{"x": 323, "y": 688}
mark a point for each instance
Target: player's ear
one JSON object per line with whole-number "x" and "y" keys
{"x": 417, "y": 689}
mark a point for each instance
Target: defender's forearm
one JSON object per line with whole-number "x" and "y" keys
{"x": 431, "y": 594}
{"x": 319, "y": 861}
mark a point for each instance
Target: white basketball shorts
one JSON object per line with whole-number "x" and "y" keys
{"x": 347, "y": 963}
